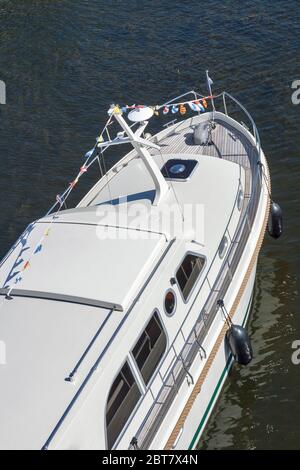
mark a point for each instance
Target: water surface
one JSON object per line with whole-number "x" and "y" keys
{"x": 64, "y": 62}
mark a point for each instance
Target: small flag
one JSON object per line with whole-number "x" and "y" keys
{"x": 89, "y": 153}
{"x": 204, "y": 102}
{"x": 73, "y": 183}
{"x": 182, "y": 109}
{"x": 117, "y": 110}
{"x": 209, "y": 80}
{"x": 174, "y": 109}
{"x": 196, "y": 106}
{"x": 59, "y": 199}
{"x": 124, "y": 109}
{"x": 166, "y": 110}
{"x": 26, "y": 265}
{"x": 209, "y": 84}
{"x": 38, "y": 249}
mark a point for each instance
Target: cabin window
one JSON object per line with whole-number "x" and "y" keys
{"x": 122, "y": 399}
{"x": 150, "y": 348}
{"x": 188, "y": 273}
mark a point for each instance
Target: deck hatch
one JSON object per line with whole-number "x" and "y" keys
{"x": 178, "y": 169}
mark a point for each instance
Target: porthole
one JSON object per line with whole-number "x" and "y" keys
{"x": 170, "y": 302}
{"x": 223, "y": 247}
{"x": 240, "y": 199}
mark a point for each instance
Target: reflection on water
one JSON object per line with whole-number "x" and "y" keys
{"x": 65, "y": 62}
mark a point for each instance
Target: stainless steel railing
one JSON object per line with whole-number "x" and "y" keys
{"x": 192, "y": 347}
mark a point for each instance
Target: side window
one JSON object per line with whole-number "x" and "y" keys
{"x": 188, "y": 273}
{"x": 150, "y": 348}
{"x": 123, "y": 396}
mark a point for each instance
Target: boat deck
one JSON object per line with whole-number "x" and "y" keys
{"x": 228, "y": 143}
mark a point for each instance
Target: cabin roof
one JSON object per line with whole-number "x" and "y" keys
{"x": 82, "y": 263}
{"x": 43, "y": 342}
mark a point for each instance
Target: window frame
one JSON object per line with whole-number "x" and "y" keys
{"x": 141, "y": 378}
{"x": 225, "y": 247}
{"x": 198, "y": 255}
{"x": 240, "y": 199}
{"x": 133, "y": 410}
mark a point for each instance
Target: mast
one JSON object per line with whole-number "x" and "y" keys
{"x": 139, "y": 144}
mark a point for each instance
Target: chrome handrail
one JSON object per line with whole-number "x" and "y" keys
{"x": 254, "y": 128}
{"x": 233, "y": 254}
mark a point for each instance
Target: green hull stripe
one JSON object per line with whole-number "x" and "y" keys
{"x": 226, "y": 369}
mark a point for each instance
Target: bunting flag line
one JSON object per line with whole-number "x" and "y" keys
{"x": 201, "y": 105}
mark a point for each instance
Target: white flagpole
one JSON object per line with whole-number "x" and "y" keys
{"x": 209, "y": 83}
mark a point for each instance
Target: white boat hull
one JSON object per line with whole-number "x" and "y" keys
{"x": 210, "y": 391}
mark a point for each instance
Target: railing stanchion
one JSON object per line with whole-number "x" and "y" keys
{"x": 224, "y": 102}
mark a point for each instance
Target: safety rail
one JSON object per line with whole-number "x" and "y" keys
{"x": 179, "y": 371}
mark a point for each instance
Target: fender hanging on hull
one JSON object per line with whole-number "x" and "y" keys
{"x": 275, "y": 221}
{"x": 239, "y": 344}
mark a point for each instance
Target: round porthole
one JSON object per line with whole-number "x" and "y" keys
{"x": 223, "y": 247}
{"x": 170, "y": 302}
{"x": 177, "y": 169}
{"x": 240, "y": 199}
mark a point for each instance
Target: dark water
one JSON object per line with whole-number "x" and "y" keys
{"x": 63, "y": 63}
